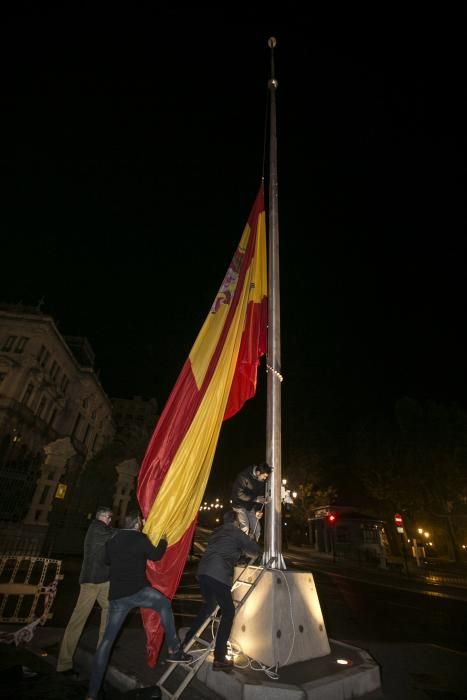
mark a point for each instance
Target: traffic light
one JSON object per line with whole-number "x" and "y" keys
{"x": 331, "y": 519}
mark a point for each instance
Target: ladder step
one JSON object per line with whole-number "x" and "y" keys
{"x": 201, "y": 641}
{"x": 192, "y": 669}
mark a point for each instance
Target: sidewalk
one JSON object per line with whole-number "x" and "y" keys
{"x": 128, "y": 671}
{"x": 128, "y": 675}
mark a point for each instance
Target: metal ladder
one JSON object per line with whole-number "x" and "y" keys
{"x": 192, "y": 669}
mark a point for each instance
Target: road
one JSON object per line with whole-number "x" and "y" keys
{"x": 419, "y": 638}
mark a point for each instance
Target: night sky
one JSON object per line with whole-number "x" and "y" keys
{"x": 132, "y": 153}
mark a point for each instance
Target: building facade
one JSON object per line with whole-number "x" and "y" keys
{"x": 48, "y": 391}
{"x": 136, "y": 416}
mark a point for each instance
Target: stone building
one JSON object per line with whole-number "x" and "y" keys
{"x": 49, "y": 391}
{"x": 137, "y": 416}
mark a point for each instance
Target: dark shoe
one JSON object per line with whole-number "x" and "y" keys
{"x": 179, "y": 657}
{"x": 70, "y": 673}
{"x": 226, "y": 665}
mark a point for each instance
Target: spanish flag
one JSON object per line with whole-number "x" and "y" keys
{"x": 216, "y": 380}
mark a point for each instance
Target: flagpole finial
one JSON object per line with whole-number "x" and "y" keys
{"x": 272, "y": 42}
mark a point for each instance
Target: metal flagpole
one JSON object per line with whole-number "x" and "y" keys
{"x": 266, "y": 627}
{"x": 273, "y": 524}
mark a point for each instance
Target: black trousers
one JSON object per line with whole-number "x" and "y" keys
{"x": 215, "y": 593}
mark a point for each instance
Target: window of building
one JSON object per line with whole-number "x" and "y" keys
{"x": 42, "y": 407}
{"x": 94, "y": 442}
{"x": 52, "y": 417}
{"x": 28, "y": 393}
{"x": 54, "y": 369}
{"x": 64, "y": 383}
{"x": 21, "y": 344}
{"x": 2, "y": 376}
{"x": 76, "y": 425}
{"x": 86, "y": 433}
{"x": 9, "y": 342}
{"x": 43, "y": 356}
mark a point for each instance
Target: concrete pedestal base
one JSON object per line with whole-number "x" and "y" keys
{"x": 317, "y": 679}
{"x": 281, "y": 621}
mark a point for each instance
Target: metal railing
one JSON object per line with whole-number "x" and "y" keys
{"x": 28, "y": 585}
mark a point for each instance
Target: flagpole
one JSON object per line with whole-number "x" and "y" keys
{"x": 273, "y": 524}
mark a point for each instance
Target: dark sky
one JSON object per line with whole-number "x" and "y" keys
{"x": 132, "y": 153}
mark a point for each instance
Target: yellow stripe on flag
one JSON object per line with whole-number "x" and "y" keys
{"x": 182, "y": 490}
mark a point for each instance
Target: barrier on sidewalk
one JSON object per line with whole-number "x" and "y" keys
{"x": 28, "y": 586}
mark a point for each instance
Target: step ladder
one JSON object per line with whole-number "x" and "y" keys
{"x": 192, "y": 669}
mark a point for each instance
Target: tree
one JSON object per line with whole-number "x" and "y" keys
{"x": 311, "y": 493}
{"x": 418, "y": 462}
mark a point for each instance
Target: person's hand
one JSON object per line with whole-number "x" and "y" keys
{"x": 164, "y": 537}
{"x": 261, "y": 499}
{"x": 259, "y": 514}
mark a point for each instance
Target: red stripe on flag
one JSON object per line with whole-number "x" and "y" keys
{"x": 170, "y": 430}
{"x": 253, "y": 345}
{"x": 166, "y": 579}
{"x": 175, "y": 420}
{"x": 184, "y": 400}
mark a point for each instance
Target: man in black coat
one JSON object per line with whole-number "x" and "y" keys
{"x": 215, "y": 574}
{"x": 94, "y": 587}
{"x": 127, "y": 554}
{"x": 248, "y": 497}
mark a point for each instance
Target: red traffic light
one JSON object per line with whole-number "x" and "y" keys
{"x": 331, "y": 519}
{"x": 398, "y": 520}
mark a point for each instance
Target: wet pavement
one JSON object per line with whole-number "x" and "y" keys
{"x": 409, "y": 626}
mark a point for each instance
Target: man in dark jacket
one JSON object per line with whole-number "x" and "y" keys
{"x": 127, "y": 554}
{"x": 215, "y": 574}
{"x": 94, "y": 587}
{"x": 248, "y": 497}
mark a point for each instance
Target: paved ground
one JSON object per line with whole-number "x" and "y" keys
{"x": 410, "y": 672}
